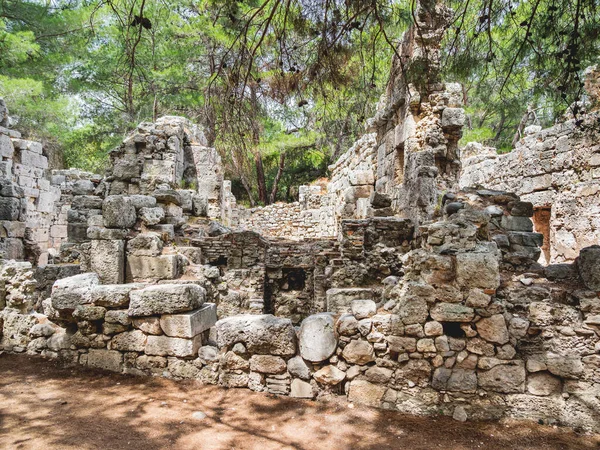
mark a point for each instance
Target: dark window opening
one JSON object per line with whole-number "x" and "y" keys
{"x": 220, "y": 261}
{"x": 294, "y": 280}
{"x": 453, "y": 329}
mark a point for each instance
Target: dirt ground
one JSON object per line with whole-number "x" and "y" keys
{"x": 43, "y": 406}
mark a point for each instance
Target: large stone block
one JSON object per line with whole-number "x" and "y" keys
{"x": 503, "y": 378}
{"x": 477, "y": 270}
{"x": 588, "y": 266}
{"x": 115, "y": 295}
{"x": 493, "y": 329}
{"x": 105, "y": 359}
{"x": 118, "y": 212}
{"x": 189, "y": 324}
{"x": 452, "y": 312}
{"x": 130, "y": 341}
{"x": 107, "y": 259}
{"x": 365, "y": 393}
{"x": 165, "y": 299}
{"x": 163, "y": 267}
{"x": 6, "y": 147}
{"x": 316, "y": 337}
{"x": 359, "y": 352}
{"x": 339, "y": 300}
{"x": 170, "y": 346}
{"x": 262, "y": 334}
{"x": 10, "y": 208}
{"x": 69, "y": 292}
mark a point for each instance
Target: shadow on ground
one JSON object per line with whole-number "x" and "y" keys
{"x": 43, "y": 406}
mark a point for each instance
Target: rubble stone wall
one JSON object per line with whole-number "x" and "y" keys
{"x": 556, "y": 169}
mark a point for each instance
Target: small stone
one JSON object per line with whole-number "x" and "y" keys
{"x": 363, "y": 308}
{"x": 460, "y": 414}
{"x": 330, "y": 375}
{"x": 358, "y": 352}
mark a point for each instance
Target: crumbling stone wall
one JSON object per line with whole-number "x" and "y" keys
{"x": 556, "y": 169}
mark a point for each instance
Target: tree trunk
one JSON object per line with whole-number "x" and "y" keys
{"x": 521, "y": 127}
{"x": 260, "y": 178}
{"x": 277, "y": 177}
{"x": 243, "y": 179}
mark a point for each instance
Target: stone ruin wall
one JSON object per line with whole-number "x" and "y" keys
{"x": 414, "y": 302}
{"x": 556, "y": 169}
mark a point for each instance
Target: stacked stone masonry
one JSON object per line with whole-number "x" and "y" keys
{"x": 392, "y": 287}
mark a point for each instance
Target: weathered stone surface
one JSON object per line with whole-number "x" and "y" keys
{"x": 493, "y": 329}
{"x": 145, "y": 244}
{"x": 131, "y": 341}
{"x": 316, "y": 337}
{"x": 401, "y": 344}
{"x": 117, "y": 316}
{"x": 565, "y": 366}
{"x": 263, "y": 334}
{"x": 267, "y": 364}
{"x": 168, "y": 346}
{"x": 455, "y": 380}
{"x": 330, "y": 375}
{"x": 163, "y": 267}
{"x": 208, "y": 353}
{"x": 113, "y": 295}
{"x": 142, "y": 201}
{"x": 69, "y": 292}
{"x": 118, "y": 212}
{"x": 301, "y": 389}
{"x": 151, "y": 216}
{"x": 379, "y": 375}
{"x": 89, "y": 312}
{"x": 149, "y": 325}
{"x": 107, "y": 259}
{"x": 297, "y": 367}
{"x": 363, "y": 308}
{"x": 588, "y": 266}
{"x": 365, "y": 393}
{"x": 165, "y": 299}
{"x": 339, "y": 300}
{"x": 358, "y": 352}
{"x": 477, "y": 270}
{"x": 105, "y": 359}
{"x": 503, "y": 378}
{"x": 347, "y": 325}
{"x": 191, "y": 323}
{"x": 542, "y": 383}
{"x": 452, "y": 312}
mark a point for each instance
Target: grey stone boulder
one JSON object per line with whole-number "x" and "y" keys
{"x": 83, "y": 187}
{"x": 261, "y": 334}
{"x": 118, "y": 212}
{"x": 165, "y": 299}
{"x": 588, "y": 266}
{"x": 113, "y": 295}
{"x": 316, "y": 337}
{"x": 152, "y": 216}
{"x": 503, "y": 378}
{"x": 142, "y": 201}
{"x": 363, "y": 308}
{"x": 68, "y": 293}
{"x": 216, "y": 229}
{"x": 297, "y": 367}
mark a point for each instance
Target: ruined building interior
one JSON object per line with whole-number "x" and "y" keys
{"x": 425, "y": 278}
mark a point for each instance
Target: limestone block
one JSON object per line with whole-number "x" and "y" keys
{"x": 301, "y": 389}
{"x": 120, "y": 316}
{"x": 69, "y": 292}
{"x": 10, "y": 208}
{"x": 142, "y": 201}
{"x": 163, "y": 267}
{"x": 339, "y": 300}
{"x": 130, "y": 341}
{"x": 170, "y": 346}
{"x": 262, "y": 334}
{"x": 316, "y": 338}
{"x": 455, "y": 380}
{"x": 6, "y": 147}
{"x": 89, "y": 313}
{"x": 330, "y": 375}
{"x": 365, "y": 393}
{"x": 347, "y": 325}
{"x": 151, "y": 216}
{"x": 477, "y": 270}
{"x": 516, "y": 223}
{"x": 361, "y": 177}
{"x": 165, "y": 299}
{"x": 588, "y": 266}
{"x": 83, "y": 187}
{"x": 113, "y": 296}
{"x": 105, "y": 359}
{"x": 363, "y": 308}
{"x": 145, "y": 244}
{"x": 200, "y": 205}
{"x": 149, "y": 325}
{"x": 94, "y": 232}
{"x": 452, "y": 312}
{"x": 564, "y": 366}
{"x": 85, "y": 202}
{"x": 379, "y": 374}
{"x": 493, "y": 329}
{"x": 542, "y": 383}
{"x": 297, "y": 367}
{"x": 118, "y": 212}
{"x": 267, "y": 364}
{"x": 189, "y": 324}
{"x": 453, "y": 117}
{"x": 503, "y": 378}
{"x": 358, "y": 352}
{"x": 107, "y": 259}
{"x": 401, "y": 344}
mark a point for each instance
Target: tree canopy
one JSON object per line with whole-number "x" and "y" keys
{"x": 282, "y": 87}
